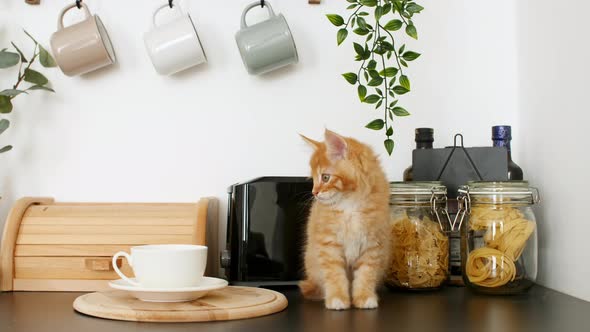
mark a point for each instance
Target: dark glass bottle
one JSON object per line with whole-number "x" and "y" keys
{"x": 424, "y": 139}
{"x": 501, "y": 136}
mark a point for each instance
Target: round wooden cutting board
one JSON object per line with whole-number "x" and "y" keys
{"x": 224, "y": 304}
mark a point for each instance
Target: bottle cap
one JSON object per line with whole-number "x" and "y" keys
{"x": 501, "y": 132}
{"x": 424, "y": 135}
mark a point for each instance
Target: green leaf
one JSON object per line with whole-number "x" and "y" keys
{"x": 362, "y": 92}
{"x": 389, "y": 145}
{"x": 401, "y": 49}
{"x": 400, "y": 111}
{"x": 410, "y": 56}
{"x": 369, "y": 3}
{"x": 372, "y": 99}
{"x": 374, "y": 73}
{"x": 375, "y": 81}
{"x": 363, "y": 14}
{"x": 359, "y": 49}
{"x": 378, "y": 12}
{"x": 337, "y": 20}
{"x": 352, "y": 6}
{"x": 379, "y": 104}
{"x": 35, "y": 77}
{"x": 22, "y": 56}
{"x": 40, "y": 87}
{"x": 389, "y": 131}
{"x": 405, "y": 64}
{"x": 45, "y": 58}
{"x": 387, "y": 46}
{"x": 4, "y": 124}
{"x": 8, "y": 59}
{"x": 28, "y": 34}
{"x": 386, "y": 8}
{"x": 393, "y": 25}
{"x": 362, "y": 23}
{"x": 400, "y": 90}
{"x": 376, "y": 124}
{"x": 372, "y": 64}
{"x": 379, "y": 91}
{"x": 360, "y": 31}
{"x": 367, "y": 54}
{"x": 11, "y": 92}
{"x": 389, "y": 72}
{"x": 341, "y": 36}
{"x": 411, "y": 31}
{"x": 6, "y": 149}
{"x": 5, "y": 104}
{"x": 414, "y": 8}
{"x": 404, "y": 81}
{"x": 393, "y": 103}
{"x": 350, "y": 77}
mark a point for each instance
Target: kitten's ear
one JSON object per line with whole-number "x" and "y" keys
{"x": 314, "y": 144}
{"x": 336, "y": 146}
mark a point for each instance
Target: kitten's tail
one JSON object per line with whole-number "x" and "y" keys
{"x": 310, "y": 290}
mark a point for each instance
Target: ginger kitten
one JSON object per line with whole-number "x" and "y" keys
{"x": 348, "y": 232}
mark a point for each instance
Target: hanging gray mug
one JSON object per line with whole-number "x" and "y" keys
{"x": 267, "y": 45}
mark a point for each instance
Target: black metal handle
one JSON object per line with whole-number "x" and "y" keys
{"x": 170, "y": 3}
{"x": 262, "y": 3}
{"x": 79, "y": 4}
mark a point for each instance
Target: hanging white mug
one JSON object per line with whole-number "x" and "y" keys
{"x": 174, "y": 46}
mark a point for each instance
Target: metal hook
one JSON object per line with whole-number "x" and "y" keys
{"x": 455, "y": 140}
{"x": 262, "y": 3}
{"x": 79, "y": 4}
{"x": 170, "y": 3}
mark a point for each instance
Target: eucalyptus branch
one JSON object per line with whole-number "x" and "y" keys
{"x": 22, "y": 75}
{"x": 37, "y": 80}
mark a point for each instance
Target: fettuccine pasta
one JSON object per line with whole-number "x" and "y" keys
{"x": 507, "y": 232}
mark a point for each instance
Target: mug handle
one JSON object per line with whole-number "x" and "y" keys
{"x": 130, "y": 261}
{"x": 179, "y": 11}
{"x": 60, "y": 20}
{"x": 271, "y": 13}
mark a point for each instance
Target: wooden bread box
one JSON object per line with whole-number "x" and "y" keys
{"x": 54, "y": 246}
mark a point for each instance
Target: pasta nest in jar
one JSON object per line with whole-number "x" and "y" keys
{"x": 507, "y": 232}
{"x": 420, "y": 253}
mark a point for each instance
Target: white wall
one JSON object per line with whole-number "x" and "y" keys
{"x": 553, "y": 56}
{"x": 127, "y": 134}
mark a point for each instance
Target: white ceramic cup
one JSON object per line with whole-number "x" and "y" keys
{"x": 174, "y": 46}
{"x": 165, "y": 265}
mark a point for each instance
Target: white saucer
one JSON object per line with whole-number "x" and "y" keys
{"x": 184, "y": 294}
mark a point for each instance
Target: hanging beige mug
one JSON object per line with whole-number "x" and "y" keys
{"x": 82, "y": 47}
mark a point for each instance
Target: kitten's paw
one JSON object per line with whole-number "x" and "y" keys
{"x": 366, "y": 302}
{"x": 336, "y": 303}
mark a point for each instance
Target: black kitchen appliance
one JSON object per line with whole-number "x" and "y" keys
{"x": 265, "y": 230}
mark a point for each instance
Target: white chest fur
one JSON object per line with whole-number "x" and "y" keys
{"x": 352, "y": 235}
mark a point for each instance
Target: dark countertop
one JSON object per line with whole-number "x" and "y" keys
{"x": 450, "y": 309}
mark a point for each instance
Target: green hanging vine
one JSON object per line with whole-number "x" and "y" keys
{"x": 382, "y": 62}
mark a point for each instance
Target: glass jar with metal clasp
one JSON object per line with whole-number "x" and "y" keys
{"x": 498, "y": 236}
{"x": 420, "y": 230}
